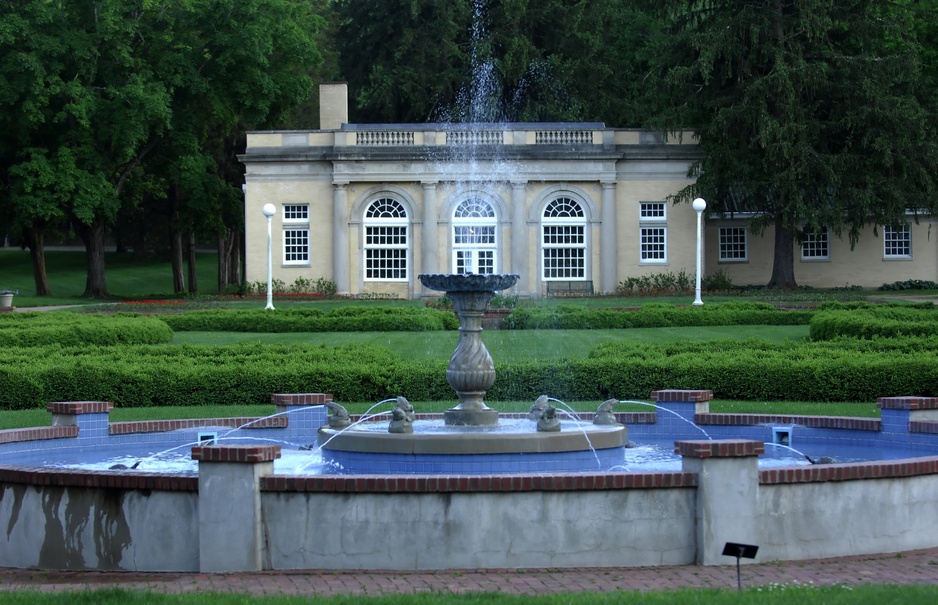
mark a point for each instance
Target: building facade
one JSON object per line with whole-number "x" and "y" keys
{"x": 568, "y": 207}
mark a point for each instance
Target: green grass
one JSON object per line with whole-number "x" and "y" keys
{"x": 777, "y": 593}
{"x": 125, "y": 277}
{"x": 504, "y": 345}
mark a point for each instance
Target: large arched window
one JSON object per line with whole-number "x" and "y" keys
{"x": 563, "y": 240}
{"x": 474, "y": 237}
{"x": 386, "y": 243}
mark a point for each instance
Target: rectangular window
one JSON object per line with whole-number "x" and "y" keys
{"x": 474, "y": 235}
{"x": 564, "y": 250}
{"x": 652, "y": 211}
{"x": 386, "y": 253}
{"x": 653, "y": 244}
{"x": 296, "y": 213}
{"x": 564, "y": 263}
{"x": 296, "y": 234}
{"x": 733, "y": 244}
{"x": 897, "y": 242}
{"x": 295, "y": 246}
{"x": 816, "y": 245}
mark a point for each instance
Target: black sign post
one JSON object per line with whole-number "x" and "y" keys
{"x": 748, "y": 551}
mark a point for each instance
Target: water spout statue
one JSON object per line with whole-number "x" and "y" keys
{"x": 402, "y": 417}
{"x": 548, "y": 422}
{"x": 339, "y": 419}
{"x": 537, "y": 408}
{"x": 604, "y": 413}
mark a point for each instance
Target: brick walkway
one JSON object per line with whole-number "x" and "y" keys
{"x": 917, "y": 567}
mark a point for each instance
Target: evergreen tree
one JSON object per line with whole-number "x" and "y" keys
{"x": 808, "y": 113}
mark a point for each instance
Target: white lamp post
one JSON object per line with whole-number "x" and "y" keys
{"x": 269, "y": 211}
{"x": 699, "y": 206}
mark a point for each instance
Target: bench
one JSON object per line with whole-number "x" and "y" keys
{"x": 569, "y": 288}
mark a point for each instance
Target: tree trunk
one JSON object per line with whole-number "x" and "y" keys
{"x": 783, "y": 265}
{"x": 229, "y": 258}
{"x": 190, "y": 249}
{"x": 35, "y": 239}
{"x": 175, "y": 243}
{"x": 93, "y": 237}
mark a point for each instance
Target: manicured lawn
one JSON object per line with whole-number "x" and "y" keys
{"x": 503, "y": 345}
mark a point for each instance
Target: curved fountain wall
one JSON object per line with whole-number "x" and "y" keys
{"x": 238, "y": 515}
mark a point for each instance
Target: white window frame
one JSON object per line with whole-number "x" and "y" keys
{"x": 816, "y": 245}
{"x": 474, "y": 237}
{"x": 386, "y": 241}
{"x": 726, "y": 246}
{"x": 897, "y": 243}
{"x": 653, "y": 233}
{"x": 564, "y": 245}
{"x": 295, "y": 234}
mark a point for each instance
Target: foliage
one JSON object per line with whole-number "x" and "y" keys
{"x": 911, "y": 284}
{"x": 808, "y": 114}
{"x": 345, "y": 319}
{"x": 146, "y": 376}
{"x": 69, "y": 329}
{"x": 656, "y": 283}
{"x": 868, "y": 321}
{"x": 655, "y": 315}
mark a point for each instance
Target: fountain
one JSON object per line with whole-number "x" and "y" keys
{"x": 471, "y": 371}
{"x": 471, "y": 438}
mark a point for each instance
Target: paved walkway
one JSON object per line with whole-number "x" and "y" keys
{"x": 916, "y": 567}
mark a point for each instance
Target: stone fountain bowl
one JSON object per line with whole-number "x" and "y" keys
{"x": 467, "y": 282}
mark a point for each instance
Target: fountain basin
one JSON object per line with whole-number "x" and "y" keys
{"x": 237, "y": 514}
{"x": 437, "y": 448}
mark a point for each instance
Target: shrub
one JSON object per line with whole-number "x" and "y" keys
{"x": 73, "y": 329}
{"x": 342, "y": 319}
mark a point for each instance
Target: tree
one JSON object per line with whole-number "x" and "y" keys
{"x": 807, "y": 112}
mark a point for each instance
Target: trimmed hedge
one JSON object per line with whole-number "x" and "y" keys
{"x": 343, "y": 319}
{"x": 872, "y": 321}
{"x": 656, "y": 315}
{"x": 70, "y": 329}
{"x": 843, "y": 370}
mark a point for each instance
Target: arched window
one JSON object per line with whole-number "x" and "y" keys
{"x": 563, "y": 240}
{"x": 386, "y": 246}
{"x": 474, "y": 237}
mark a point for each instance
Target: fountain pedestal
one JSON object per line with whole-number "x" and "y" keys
{"x": 471, "y": 371}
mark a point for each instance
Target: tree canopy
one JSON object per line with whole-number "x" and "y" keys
{"x": 810, "y": 114}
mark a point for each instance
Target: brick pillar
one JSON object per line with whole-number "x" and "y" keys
{"x": 727, "y": 494}
{"x": 230, "y": 536}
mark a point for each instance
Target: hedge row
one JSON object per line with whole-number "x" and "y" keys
{"x": 657, "y": 315}
{"x": 71, "y": 329}
{"x": 343, "y": 319}
{"x": 248, "y": 374}
{"x": 870, "y": 321}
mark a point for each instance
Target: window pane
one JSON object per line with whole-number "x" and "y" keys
{"x": 733, "y": 243}
{"x": 296, "y": 213}
{"x": 897, "y": 242}
{"x": 295, "y": 246}
{"x": 653, "y": 244}
{"x": 816, "y": 245}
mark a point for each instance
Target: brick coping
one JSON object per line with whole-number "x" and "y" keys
{"x": 476, "y": 483}
{"x": 814, "y": 422}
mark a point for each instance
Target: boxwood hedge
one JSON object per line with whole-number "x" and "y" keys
{"x": 654, "y": 315}
{"x": 33, "y": 329}
{"x": 141, "y": 375}
{"x": 342, "y": 319}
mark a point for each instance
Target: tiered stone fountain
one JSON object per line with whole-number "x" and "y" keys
{"x": 470, "y": 438}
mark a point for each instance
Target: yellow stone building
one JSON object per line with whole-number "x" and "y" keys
{"x": 567, "y": 206}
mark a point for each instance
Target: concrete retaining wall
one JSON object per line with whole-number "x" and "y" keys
{"x": 479, "y": 530}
